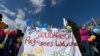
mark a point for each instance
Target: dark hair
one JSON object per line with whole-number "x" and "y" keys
{"x": 0, "y": 17}
{"x": 19, "y": 32}
{"x": 6, "y": 26}
{"x": 82, "y": 26}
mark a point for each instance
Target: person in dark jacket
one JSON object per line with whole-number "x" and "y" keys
{"x": 91, "y": 44}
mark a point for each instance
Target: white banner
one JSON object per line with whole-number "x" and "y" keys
{"x": 49, "y": 42}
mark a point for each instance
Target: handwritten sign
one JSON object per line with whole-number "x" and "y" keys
{"x": 50, "y": 42}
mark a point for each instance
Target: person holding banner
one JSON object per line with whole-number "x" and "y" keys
{"x": 91, "y": 43}
{"x": 50, "y": 26}
{"x": 18, "y": 39}
{"x": 84, "y": 39}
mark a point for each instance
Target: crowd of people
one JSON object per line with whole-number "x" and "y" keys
{"x": 90, "y": 41}
{"x": 10, "y": 40}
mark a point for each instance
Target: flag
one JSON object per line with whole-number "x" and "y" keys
{"x": 65, "y": 23}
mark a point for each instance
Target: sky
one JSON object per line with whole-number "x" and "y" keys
{"x": 15, "y": 12}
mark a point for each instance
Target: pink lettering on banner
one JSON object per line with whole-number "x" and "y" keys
{"x": 58, "y": 43}
{"x": 54, "y": 35}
